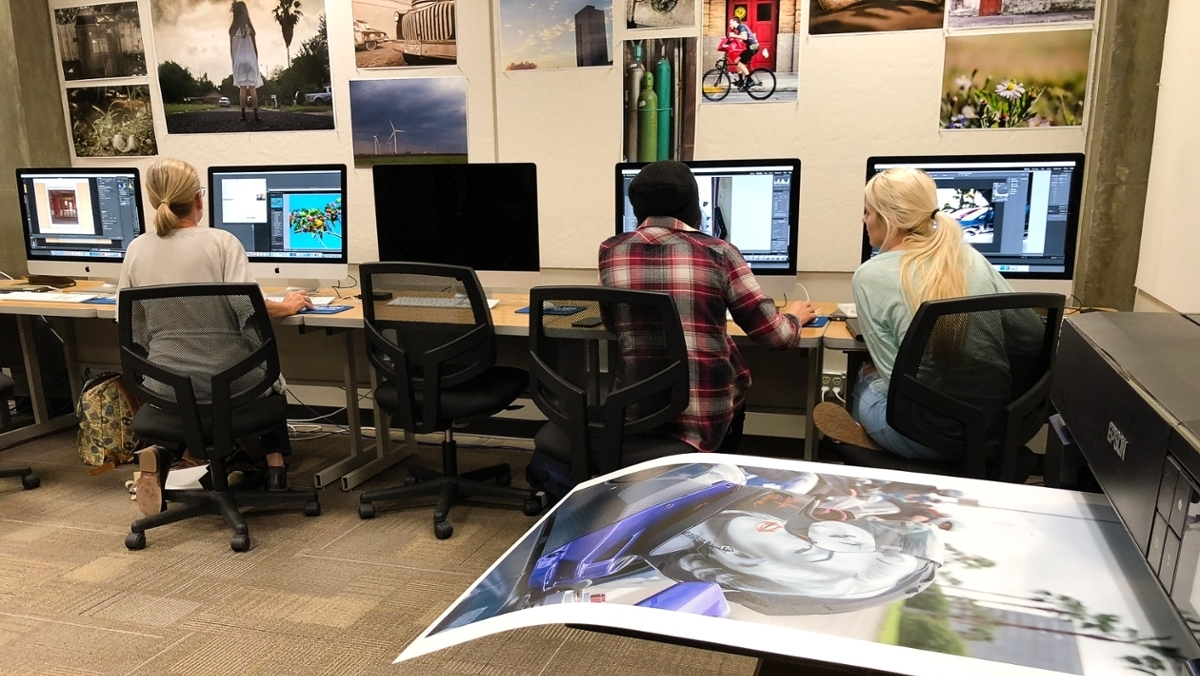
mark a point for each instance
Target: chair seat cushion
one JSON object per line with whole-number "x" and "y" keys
{"x": 486, "y": 394}
{"x": 6, "y": 387}
{"x": 156, "y": 425}
{"x": 553, "y": 442}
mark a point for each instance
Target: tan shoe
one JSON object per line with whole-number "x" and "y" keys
{"x": 836, "y": 423}
{"x": 153, "y": 463}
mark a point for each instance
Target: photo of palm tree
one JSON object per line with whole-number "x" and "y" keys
{"x": 243, "y": 65}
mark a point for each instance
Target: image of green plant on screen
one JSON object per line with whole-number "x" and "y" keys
{"x": 314, "y": 221}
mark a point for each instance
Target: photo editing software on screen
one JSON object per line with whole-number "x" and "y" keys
{"x": 79, "y": 214}
{"x": 294, "y": 214}
{"x": 749, "y": 206}
{"x": 1020, "y": 214}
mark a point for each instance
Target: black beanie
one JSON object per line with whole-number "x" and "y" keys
{"x": 666, "y": 188}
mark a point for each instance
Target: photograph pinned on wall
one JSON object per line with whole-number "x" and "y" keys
{"x": 549, "y": 34}
{"x": 246, "y": 65}
{"x": 409, "y": 121}
{"x": 660, "y": 99}
{"x": 399, "y": 33}
{"x": 832, "y": 17}
{"x": 100, "y": 41}
{"x": 1002, "y": 13}
{"x": 1015, "y": 79}
{"x": 750, "y": 51}
{"x": 660, "y": 14}
{"x": 111, "y": 121}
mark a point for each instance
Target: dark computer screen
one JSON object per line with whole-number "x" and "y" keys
{"x": 752, "y": 204}
{"x": 86, "y": 215}
{"x": 482, "y": 216}
{"x": 294, "y": 214}
{"x": 1020, "y": 211}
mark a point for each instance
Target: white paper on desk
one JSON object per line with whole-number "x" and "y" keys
{"x": 827, "y": 563}
{"x": 187, "y": 478}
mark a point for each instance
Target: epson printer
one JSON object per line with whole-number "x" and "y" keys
{"x": 1127, "y": 386}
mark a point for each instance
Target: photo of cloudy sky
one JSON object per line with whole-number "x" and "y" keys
{"x": 409, "y": 120}
{"x": 544, "y": 34}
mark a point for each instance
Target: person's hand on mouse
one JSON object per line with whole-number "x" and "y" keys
{"x": 802, "y": 310}
{"x": 295, "y": 301}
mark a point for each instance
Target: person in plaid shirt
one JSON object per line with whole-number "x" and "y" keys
{"x": 706, "y": 276}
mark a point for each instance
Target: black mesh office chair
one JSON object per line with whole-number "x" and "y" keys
{"x": 607, "y": 376}
{"x": 972, "y": 378}
{"x": 204, "y": 359}
{"x": 431, "y": 340}
{"x": 28, "y": 478}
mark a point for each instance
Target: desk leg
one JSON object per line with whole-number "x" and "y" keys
{"x": 330, "y": 475}
{"x": 816, "y": 367}
{"x": 66, "y": 329}
{"x": 42, "y": 423}
{"x": 385, "y": 456}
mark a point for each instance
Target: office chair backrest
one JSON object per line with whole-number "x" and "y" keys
{"x": 972, "y": 376}
{"x": 428, "y": 327}
{"x": 616, "y": 367}
{"x": 197, "y": 350}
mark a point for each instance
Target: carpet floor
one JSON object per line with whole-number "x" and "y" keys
{"x": 326, "y": 595}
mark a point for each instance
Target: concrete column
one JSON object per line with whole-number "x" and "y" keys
{"x": 32, "y": 129}
{"x": 1124, "y": 101}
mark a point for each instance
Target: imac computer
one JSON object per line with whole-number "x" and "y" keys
{"x": 482, "y": 216}
{"x": 1020, "y": 211}
{"x": 291, "y": 219}
{"x": 77, "y": 222}
{"x": 752, "y": 204}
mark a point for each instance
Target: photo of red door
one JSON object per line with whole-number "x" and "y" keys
{"x": 762, "y": 16}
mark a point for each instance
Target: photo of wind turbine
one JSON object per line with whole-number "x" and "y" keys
{"x": 430, "y": 113}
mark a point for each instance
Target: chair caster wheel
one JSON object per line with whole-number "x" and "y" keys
{"x": 504, "y": 480}
{"x": 366, "y": 510}
{"x": 30, "y": 482}
{"x": 135, "y": 541}
{"x": 531, "y": 506}
{"x": 442, "y": 530}
{"x": 240, "y": 542}
{"x": 312, "y": 508}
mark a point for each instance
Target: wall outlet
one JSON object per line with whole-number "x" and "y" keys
{"x": 833, "y": 385}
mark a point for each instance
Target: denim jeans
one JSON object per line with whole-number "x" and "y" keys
{"x": 870, "y": 410}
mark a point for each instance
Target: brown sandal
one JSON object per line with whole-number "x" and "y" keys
{"x": 836, "y": 423}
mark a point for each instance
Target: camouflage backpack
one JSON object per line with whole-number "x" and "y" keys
{"x": 105, "y": 413}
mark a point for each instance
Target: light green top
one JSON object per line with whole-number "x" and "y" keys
{"x": 883, "y": 313}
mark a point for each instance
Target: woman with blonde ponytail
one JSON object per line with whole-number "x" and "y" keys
{"x": 922, "y": 256}
{"x": 179, "y": 251}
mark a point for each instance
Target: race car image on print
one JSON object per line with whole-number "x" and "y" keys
{"x": 906, "y": 573}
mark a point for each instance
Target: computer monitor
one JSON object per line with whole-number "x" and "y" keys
{"x": 1020, "y": 211}
{"x": 77, "y": 222}
{"x": 482, "y": 216}
{"x": 752, "y": 204}
{"x": 291, "y": 219}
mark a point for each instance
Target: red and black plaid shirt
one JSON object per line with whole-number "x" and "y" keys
{"x": 705, "y": 276}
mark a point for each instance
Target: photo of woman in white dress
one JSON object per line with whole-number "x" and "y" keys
{"x": 244, "y": 51}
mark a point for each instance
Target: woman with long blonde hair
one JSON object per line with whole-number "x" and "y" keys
{"x": 922, "y": 256}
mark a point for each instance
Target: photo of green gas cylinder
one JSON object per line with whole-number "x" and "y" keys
{"x": 653, "y": 93}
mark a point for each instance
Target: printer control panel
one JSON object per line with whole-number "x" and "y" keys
{"x": 1174, "y": 551}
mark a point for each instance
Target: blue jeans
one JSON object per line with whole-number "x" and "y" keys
{"x": 870, "y": 410}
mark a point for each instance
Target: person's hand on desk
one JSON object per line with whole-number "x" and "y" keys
{"x": 292, "y": 303}
{"x": 800, "y": 309}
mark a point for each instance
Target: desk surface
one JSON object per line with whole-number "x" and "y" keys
{"x": 835, "y": 565}
{"x": 78, "y": 310}
{"x": 837, "y": 337}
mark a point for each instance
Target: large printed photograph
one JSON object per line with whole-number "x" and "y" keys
{"x": 750, "y": 51}
{"x": 549, "y": 34}
{"x": 111, "y": 121}
{"x": 414, "y": 120}
{"x": 100, "y": 41}
{"x": 831, "y": 17}
{"x": 400, "y": 33}
{"x": 963, "y": 568}
{"x": 1006, "y": 13}
{"x": 660, "y": 99}
{"x": 245, "y": 65}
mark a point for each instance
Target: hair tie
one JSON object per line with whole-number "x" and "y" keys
{"x": 934, "y": 214}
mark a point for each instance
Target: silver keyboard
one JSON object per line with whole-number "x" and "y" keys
{"x": 47, "y": 296}
{"x": 439, "y": 301}
{"x": 316, "y": 300}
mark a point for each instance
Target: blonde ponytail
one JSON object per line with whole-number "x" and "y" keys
{"x": 932, "y": 264}
{"x": 172, "y": 185}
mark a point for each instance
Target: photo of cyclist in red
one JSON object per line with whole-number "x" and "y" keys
{"x": 741, "y": 59}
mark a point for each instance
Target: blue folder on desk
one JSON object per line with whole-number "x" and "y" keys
{"x": 324, "y": 310}
{"x": 102, "y": 300}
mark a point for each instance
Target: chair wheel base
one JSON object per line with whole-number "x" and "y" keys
{"x": 442, "y": 530}
{"x": 532, "y": 507}
{"x": 366, "y": 510}
{"x": 135, "y": 541}
{"x": 30, "y": 482}
{"x": 240, "y": 542}
{"x": 312, "y": 508}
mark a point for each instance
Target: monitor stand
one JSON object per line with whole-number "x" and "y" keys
{"x": 308, "y": 285}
